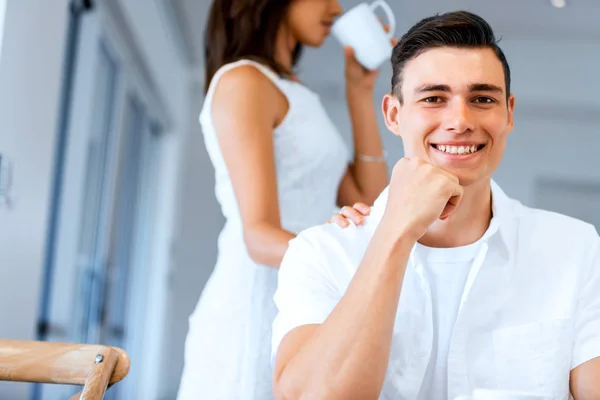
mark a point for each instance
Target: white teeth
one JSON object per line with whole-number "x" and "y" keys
{"x": 456, "y": 149}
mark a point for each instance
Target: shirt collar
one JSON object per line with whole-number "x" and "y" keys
{"x": 503, "y": 225}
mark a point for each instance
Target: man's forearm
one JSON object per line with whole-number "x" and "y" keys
{"x": 347, "y": 356}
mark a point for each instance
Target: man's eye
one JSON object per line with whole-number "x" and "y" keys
{"x": 432, "y": 99}
{"x": 484, "y": 100}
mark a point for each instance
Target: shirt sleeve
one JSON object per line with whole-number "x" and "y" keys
{"x": 306, "y": 293}
{"x": 587, "y": 320}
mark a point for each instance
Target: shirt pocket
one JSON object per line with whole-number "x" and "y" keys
{"x": 534, "y": 357}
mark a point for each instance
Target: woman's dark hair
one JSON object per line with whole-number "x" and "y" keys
{"x": 238, "y": 29}
{"x": 460, "y": 29}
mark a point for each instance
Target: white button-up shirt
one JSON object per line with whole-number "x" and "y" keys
{"x": 529, "y": 313}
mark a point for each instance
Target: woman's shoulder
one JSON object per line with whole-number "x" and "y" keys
{"x": 244, "y": 81}
{"x": 244, "y": 77}
{"x": 243, "y": 88}
{"x": 246, "y": 69}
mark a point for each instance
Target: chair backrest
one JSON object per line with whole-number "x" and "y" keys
{"x": 95, "y": 367}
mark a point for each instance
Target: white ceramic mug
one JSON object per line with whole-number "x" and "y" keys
{"x": 360, "y": 29}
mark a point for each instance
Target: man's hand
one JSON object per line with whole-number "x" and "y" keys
{"x": 419, "y": 194}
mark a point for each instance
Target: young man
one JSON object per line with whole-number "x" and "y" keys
{"x": 450, "y": 285}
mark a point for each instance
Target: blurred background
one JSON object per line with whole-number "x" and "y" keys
{"x": 108, "y": 221}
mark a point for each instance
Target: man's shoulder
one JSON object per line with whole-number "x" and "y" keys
{"x": 327, "y": 235}
{"x": 545, "y": 222}
{"x": 560, "y": 236}
{"x": 331, "y": 242}
{"x": 538, "y": 223}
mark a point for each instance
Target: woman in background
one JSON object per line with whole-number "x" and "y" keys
{"x": 281, "y": 166}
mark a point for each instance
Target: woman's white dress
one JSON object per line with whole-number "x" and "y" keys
{"x": 227, "y": 350}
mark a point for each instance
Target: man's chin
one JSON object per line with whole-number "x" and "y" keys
{"x": 465, "y": 176}
{"x": 468, "y": 180}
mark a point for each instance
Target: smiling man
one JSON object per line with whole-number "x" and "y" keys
{"x": 450, "y": 285}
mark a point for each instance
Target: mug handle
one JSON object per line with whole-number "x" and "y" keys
{"x": 388, "y": 12}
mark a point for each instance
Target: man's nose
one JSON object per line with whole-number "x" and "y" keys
{"x": 459, "y": 117}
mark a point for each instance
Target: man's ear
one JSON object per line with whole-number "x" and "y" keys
{"x": 511, "y": 112}
{"x": 390, "y": 106}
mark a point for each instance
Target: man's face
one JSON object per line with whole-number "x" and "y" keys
{"x": 454, "y": 113}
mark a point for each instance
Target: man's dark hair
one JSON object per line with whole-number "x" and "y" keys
{"x": 459, "y": 29}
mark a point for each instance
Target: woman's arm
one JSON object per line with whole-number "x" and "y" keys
{"x": 246, "y": 108}
{"x": 371, "y": 176}
{"x": 367, "y": 176}
{"x": 364, "y": 180}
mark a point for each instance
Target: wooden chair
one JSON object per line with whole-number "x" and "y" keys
{"x": 93, "y": 366}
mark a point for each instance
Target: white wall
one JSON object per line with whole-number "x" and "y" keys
{"x": 2, "y": 15}
{"x": 30, "y": 82}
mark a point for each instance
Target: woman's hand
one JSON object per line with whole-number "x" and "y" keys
{"x": 356, "y": 214}
{"x": 358, "y": 77}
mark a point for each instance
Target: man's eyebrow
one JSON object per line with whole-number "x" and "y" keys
{"x": 476, "y": 87}
{"x": 485, "y": 87}
{"x": 432, "y": 87}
